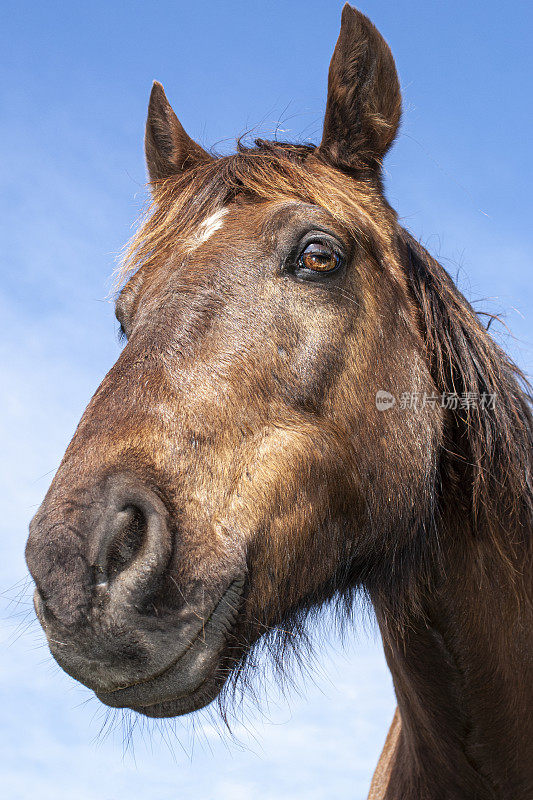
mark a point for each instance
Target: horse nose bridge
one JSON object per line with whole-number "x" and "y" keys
{"x": 127, "y": 413}
{"x": 138, "y": 380}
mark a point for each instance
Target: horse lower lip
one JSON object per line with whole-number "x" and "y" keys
{"x": 141, "y": 705}
{"x": 161, "y": 687}
{"x": 191, "y": 669}
{"x": 123, "y": 691}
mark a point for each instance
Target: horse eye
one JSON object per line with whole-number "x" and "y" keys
{"x": 319, "y": 257}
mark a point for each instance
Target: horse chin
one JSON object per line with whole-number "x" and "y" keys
{"x": 181, "y": 705}
{"x": 169, "y": 704}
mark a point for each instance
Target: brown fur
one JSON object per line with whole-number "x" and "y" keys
{"x": 382, "y": 773}
{"x": 242, "y": 415}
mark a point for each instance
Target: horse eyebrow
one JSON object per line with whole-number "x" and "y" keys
{"x": 306, "y": 208}
{"x": 305, "y": 216}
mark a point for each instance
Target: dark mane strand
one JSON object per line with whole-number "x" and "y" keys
{"x": 488, "y": 445}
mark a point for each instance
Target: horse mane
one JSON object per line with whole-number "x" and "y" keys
{"x": 488, "y": 446}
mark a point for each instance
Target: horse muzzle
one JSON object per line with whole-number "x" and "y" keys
{"x": 100, "y": 618}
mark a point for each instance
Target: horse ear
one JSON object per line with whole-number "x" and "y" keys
{"x": 364, "y": 101}
{"x": 169, "y": 150}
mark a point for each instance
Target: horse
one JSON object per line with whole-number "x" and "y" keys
{"x": 306, "y": 411}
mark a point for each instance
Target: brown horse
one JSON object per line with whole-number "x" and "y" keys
{"x": 306, "y": 408}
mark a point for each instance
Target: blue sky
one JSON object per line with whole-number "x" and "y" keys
{"x": 75, "y": 80}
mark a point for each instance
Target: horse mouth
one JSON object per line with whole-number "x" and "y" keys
{"x": 192, "y": 679}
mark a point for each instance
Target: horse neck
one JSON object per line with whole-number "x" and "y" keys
{"x": 463, "y": 673}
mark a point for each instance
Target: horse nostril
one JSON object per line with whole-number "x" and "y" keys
{"x": 131, "y": 543}
{"x": 120, "y": 543}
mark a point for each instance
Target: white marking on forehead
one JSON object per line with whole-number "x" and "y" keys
{"x": 207, "y": 228}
